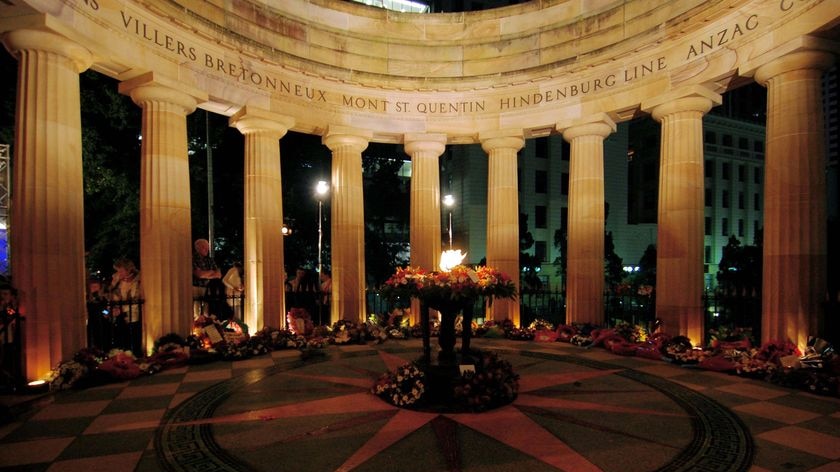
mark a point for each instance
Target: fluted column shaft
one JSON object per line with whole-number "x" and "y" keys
{"x": 47, "y": 218}
{"x": 503, "y": 213}
{"x": 347, "y": 222}
{"x": 794, "y": 262}
{"x": 424, "y": 225}
{"x": 680, "y": 229}
{"x": 264, "y": 264}
{"x": 165, "y": 226}
{"x": 585, "y": 266}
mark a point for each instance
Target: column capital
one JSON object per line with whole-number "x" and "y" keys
{"x": 251, "y": 120}
{"x": 691, "y": 98}
{"x": 355, "y": 138}
{"x": 751, "y": 67}
{"x": 428, "y": 142}
{"x": 799, "y": 60}
{"x": 153, "y": 87}
{"x": 599, "y": 124}
{"x": 38, "y": 40}
{"x": 502, "y": 139}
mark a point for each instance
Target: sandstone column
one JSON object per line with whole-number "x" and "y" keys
{"x": 165, "y": 226}
{"x": 347, "y": 222}
{"x": 585, "y": 269}
{"x": 47, "y": 217}
{"x": 794, "y": 262}
{"x": 679, "y": 251}
{"x": 425, "y": 236}
{"x": 263, "y": 258}
{"x": 501, "y": 147}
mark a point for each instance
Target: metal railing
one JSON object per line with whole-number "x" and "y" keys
{"x": 734, "y": 310}
{"x": 115, "y": 325}
{"x": 11, "y": 351}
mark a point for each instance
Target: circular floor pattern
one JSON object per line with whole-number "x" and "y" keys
{"x": 572, "y": 414}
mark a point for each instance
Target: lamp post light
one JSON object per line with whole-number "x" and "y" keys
{"x": 448, "y": 201}
{"x": 321, "y": 190}
{"x": 450, "y": 258}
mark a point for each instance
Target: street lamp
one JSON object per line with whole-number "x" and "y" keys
{"x": 448, "y": 201}
{"x": 450, "y": 258}
{"x": 321, "y": 190}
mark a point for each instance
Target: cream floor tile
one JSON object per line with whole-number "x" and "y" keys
{"x": 756, "y": 468}
{"x": 775, "y": 412}
{"x": 830, "y": 467}
{"x": 179, "y": 398}
{"x": 154, "y": 390}
{"x": 33, "y": 452}
{"x": 125, "y": 421}
{"x": 692, "y": 386}
{"x": 662, "y": 370}
{"x": 812, "y": 442}
{"x": 285, "y": 353}
{"x": 206, "y": 375}
{"x": 110, "y": 463}
{"x": 751, "y": 390}
{"x": 255, "y": 363}
{"x": 71, "y": 410}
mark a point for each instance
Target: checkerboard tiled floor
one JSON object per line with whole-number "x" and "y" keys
{"x": 112, "y": 427}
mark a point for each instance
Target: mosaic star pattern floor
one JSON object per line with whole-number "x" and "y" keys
{"x": 577, "y": 410}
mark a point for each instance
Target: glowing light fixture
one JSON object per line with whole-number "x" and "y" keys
{"x": 36, "y": 386}
{"x": 450, "y": 259}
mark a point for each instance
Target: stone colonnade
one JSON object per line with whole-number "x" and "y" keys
{"x": 48, "y": 209}
{"x": 794, "y": 270}
{"x": 679, "y": 238}
{"x": 424, "y": 237}
{"x": 585, "y": 260}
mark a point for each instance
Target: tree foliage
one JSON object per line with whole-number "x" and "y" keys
{"x": 613, "y": 266}
{"x": 111, "y": 166}
{"x": 387, "y": 200}
{"x": 740, "y": 267}
{"x": 528, "y": 263}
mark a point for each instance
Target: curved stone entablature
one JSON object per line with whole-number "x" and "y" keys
{"x": 528, "y": 67}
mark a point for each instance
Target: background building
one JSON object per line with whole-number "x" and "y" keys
{"x": 734, "y": 154}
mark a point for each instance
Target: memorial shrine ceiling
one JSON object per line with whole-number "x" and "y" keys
{"x": 525, "y": 67}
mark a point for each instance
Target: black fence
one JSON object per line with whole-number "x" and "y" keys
{"x": 11, "y": 366}
{"x": 119, "y": 324}
{"x": 115, "y": 325}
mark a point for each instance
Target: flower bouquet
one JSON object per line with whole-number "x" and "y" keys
{"x": 299, "y": 321}
{"x": 447, "y": 291}
{"x": 402, "y": 387}
{"x": 492, "y": 384}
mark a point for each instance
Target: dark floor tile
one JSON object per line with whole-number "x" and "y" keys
{"x": 217, "y": 365}
{"x": 91, "y": 445}
{"x": 138, "y": 404}
{"x": 88, "y": 395}
{"x": 758, "y": 424}
{"x": 807, "y": 403}
{"x": 727, "y": 399}
{"x": 778, "y": 458}
{"x": 196, "y": 386}
{"x": 148, "y": 462}
{"x": 697, "y": 377}
{"x": 48, "y": 429}
{"x": 157, "y": 379}
{"x": 42, "y": 467}
{"x": 825, "y": 424}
